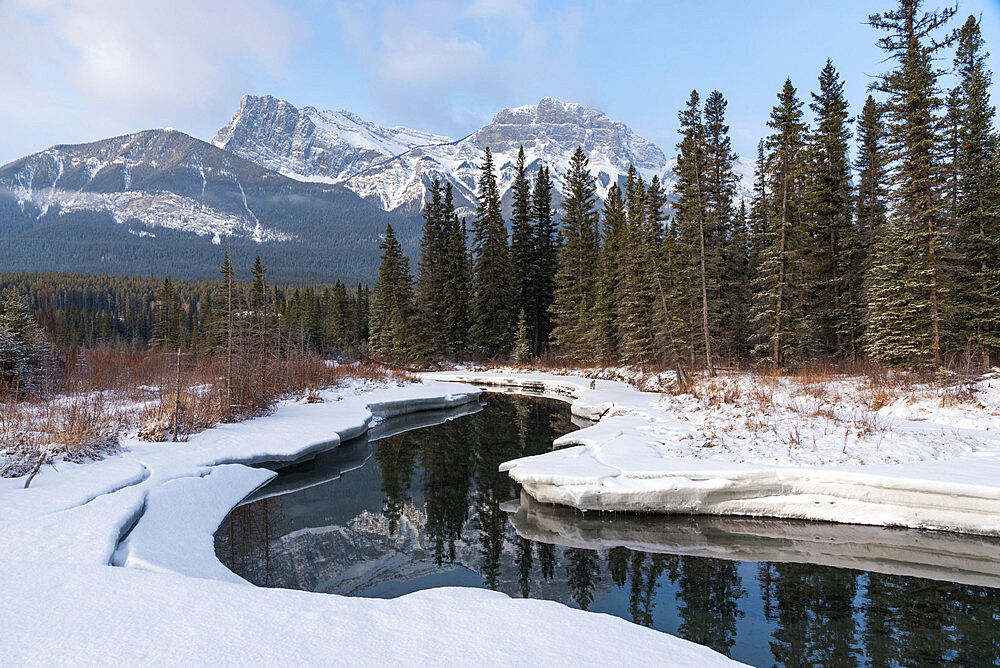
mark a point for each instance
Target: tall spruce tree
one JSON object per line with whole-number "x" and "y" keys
{"x": 833, "y": 286}
{"x": 906, "y": 289}
{"x": 431, "y": 295}
{"x": 978, "y": 200}
{"x": 870, "y": 165}
{"x": 648, "y": 309}
{"x": 576, "y": 279}
{"x": 730, "y": 299}
{"x": 457, "y": 286}
{"x": 611, "y": 277}
{"x": 392, "y": 327}
{"x": 777, "y": 314}
{"x": 523, "y": 254}
{"x": 695, "y": 228}
{"x": 492, "y": 319}
{"x": 546, "y": 260}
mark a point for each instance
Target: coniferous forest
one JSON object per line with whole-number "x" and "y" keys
{"x": 889, "y": 252}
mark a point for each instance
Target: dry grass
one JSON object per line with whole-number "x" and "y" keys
{"x": 104, "y": 392}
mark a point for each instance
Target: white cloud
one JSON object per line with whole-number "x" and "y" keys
{"x": 444, "y": 64}
{"x": 127, "y": 62}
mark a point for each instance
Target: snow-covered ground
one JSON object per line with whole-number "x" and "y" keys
{"x": 154, "y": 507}
{"x": 838, "y": 450}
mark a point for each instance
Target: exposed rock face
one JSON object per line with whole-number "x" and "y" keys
{"x": 393, "y": 166}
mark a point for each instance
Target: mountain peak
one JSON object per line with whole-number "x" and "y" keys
{"x": 395, "y": 165}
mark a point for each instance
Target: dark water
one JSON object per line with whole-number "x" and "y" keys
{"x": 393, "y": 513}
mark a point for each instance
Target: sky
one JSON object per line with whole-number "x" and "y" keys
{"x": 82, "y": 70}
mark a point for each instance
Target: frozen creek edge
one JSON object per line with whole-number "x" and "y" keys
{"x": 590, "y": 472}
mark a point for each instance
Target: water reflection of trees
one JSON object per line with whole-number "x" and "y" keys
{"x": 817, "y": 615}
{"x": 243, "y": 541}
{"x": 460, "y": 463}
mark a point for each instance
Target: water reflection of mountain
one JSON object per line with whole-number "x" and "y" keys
{"x": 429, "y": 508}
{"x": 414, "y": 504}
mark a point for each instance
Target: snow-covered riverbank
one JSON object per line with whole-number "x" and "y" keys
{"x": 153, "y": 509}
{"x": 664, "y": 453}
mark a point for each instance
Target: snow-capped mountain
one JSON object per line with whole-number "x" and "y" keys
{"x": 159, "y": 200}
{"x": 393, "y": 166}
{"x": 148, "y": 180}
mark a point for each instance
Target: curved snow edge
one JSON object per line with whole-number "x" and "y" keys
{"x": 575, "y": 391}
{"x": 176, "y": 531}
{"x": 897, "y": 496}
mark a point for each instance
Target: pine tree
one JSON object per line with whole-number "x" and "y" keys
{"x": 25, "y": 355}
{"x": 905, "y": 286}
{"x": 523, "y": 254}
{"x": 576, "y": 279}
{"x": 392, "y": 301}
{"x": 431, "y": 295}
{"x": 225, "y": 327}
{"x": 832, "y": 283}
{"x": 695, "y": 227}
{"x": 978, "y": 199}
{"x": 730, "y": 299}
{"x": 167, "y": 321}
{"x": 338, "y": 325}
{"x": 260, "y": 313}
{"x": 522, "y": 341}
{"x": 638, "y": 321}
{"x": 546, "y": 260}
{"x": 457, "y": 284}
{"x": 491, "y": 270}
{"x": 611, "y": 276}
{"x": 777, "y": 314}
{"x": 870, "y": 211}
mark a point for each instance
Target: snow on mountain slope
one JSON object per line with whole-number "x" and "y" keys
{"x": 393, "y": 166}
{"x": 157, "y": 178}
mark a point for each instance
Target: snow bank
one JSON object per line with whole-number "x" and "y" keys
{"x": 640, "y": 457}
{"x": 155, "y": 508}
{"x": 161, "y": 619}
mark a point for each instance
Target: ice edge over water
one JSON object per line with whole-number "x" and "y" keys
{"x": 620, "y": 465}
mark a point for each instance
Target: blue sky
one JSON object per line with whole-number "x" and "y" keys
{"x": 79, "y": 70}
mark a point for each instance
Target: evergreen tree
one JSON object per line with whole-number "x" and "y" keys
{"x": 638, "y": 256}
{"x": 338, "y": 325}
{"x": 870, "y": 207}
{"x": 611, "y": 288}
{"x": 730, "y": 300}
{"x": 522, "y": 342}
{"x": 24, "y": 351}
{"x": 546, "y": 260}
{"x": 225, "y": 326}
{"x": 777, "y": 315}
{"x": 392, "y": 301}
{"x": 692, "y": 217}
{"x": 457, "y": 280}
{"x": 167, "y": 322}
{"x": 523, "y": 255}
{"x": 978, "y": 199}
{"x": 905, "y": 284}
{"x": 576, "y": 279}
{"x": 833, "y": 285}
{"x": 260, "y": 313}
{"x": 663, "y": 292}
{"x": 491, "y": 274}
{"x": 431, "y": 294}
